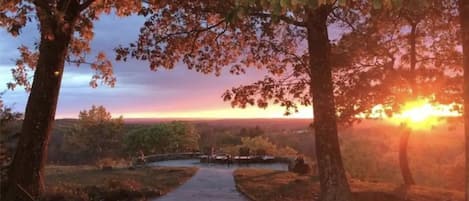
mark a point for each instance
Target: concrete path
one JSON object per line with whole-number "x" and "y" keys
{"x": 212, "y": 182}
{"x": 208, "y": 184}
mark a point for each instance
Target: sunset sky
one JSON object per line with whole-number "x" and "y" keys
{"x": 139, "y": 92}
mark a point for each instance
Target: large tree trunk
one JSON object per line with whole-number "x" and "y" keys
{"x": 412, "y": 78}
{"x": 333, "y": 181}
{"x": 464, "y": 17}
{"x": 26, "y": 172}
{"x": 403, "y": 159}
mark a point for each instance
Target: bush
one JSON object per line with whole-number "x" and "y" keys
{"x": 162, "y": 138}
{"x": 267, "y": 147}
{"x": 300, "y": 167}
{"x": 244, "y": 151}
{"x": 262, "y": 145}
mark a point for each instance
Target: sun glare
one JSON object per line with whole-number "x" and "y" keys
{"x": 417, "y": 112}
{"x": 422, "y": 114}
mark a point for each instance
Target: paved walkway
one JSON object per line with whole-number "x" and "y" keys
{"x": 208, "y": 184}
{"x": 212, "y": 182}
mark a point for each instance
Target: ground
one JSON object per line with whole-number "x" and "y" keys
{"x": 91, "y": 183}
{"x": 209, "y": 184}
{"x": 212, "y": 182}
{"x": 273, "y": 185}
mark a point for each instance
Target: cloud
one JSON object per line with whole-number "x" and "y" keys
{"x": 9, "y": 44}
{"x": 138, "y": 89}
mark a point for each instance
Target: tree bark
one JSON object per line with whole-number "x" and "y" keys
{"x": 464, "y": 17}
{"x": 413, "y": 60}
{"x": 332, "y": 177}
{"x": 26, "y": 172}
{"x": 403, "y": 159}
{"x": 404, "y": 139}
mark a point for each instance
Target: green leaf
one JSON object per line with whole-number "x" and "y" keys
{"x": 342, "y": 2}
{"x": 377, "y": 4}
{"x": 285, "y": 4}
{"x": 312, "y": 3}
{"x": 424, "y": 3}
{"x": 241, "y": 13}
{"x": 276, "y": 7}
{"x": 231, "y": 15}
{"x": 397, "y": 3}
{"x": 387, "y": 4}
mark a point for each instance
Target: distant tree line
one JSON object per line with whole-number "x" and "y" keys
{"x": 173, "y": 137}
{"x": 7, "y": 118}
{"x": 96, "y": 136}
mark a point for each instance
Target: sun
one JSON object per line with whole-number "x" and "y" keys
{"x": 416, "y": 112}
{"x": 422, "y": 114}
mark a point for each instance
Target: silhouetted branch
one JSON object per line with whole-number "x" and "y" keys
{"x": 85, "y": 5}
{"x": 193, "y": 31}
{"x": 284, "y": 18}
{"x": 336, "y": 15}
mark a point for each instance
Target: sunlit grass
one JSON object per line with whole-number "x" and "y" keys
{"x": 90, "y": 183}
{"x": 272, "y": 185}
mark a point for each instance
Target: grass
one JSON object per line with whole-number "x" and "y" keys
{"x": 273, "y": 185}
{"x": 91, "y": 183}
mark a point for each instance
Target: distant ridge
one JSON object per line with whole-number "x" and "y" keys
{"x": 277, "y": 123}
{"x": 273, "y": 123}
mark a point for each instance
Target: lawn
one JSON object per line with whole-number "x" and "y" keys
{"x": 91, "y": 183}
{"x": 273, "y": 185}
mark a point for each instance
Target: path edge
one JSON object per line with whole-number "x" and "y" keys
{"x": 243, "y": 191}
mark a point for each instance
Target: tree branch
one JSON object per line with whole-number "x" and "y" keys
{"x": 85, "y": 4}
{"x": 196, "y": 31}
{"x": 336, "y": 15}
{"x": 219, "y": 34}
{"x": 78, "y": 62}
{"x": 43, "y": 5}
{"x": 284, "y": 18}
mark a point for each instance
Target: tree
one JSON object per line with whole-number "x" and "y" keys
{"x": 96, "y": 135}
{"x": 251, "y": 132}
{"x": 7, "y": 116}
{"x": 289, "y": 39}
{"x": 409, "y": 54}
{"x": 174, "y": 137}
{"x": 7, "y": 129}
{"x": 464, "y": 16}
{"x": 258, "y": 145}
{"x": 264, "y": 144}
{"x": 7, "y": 140}
{"x": 66, "y": 28}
